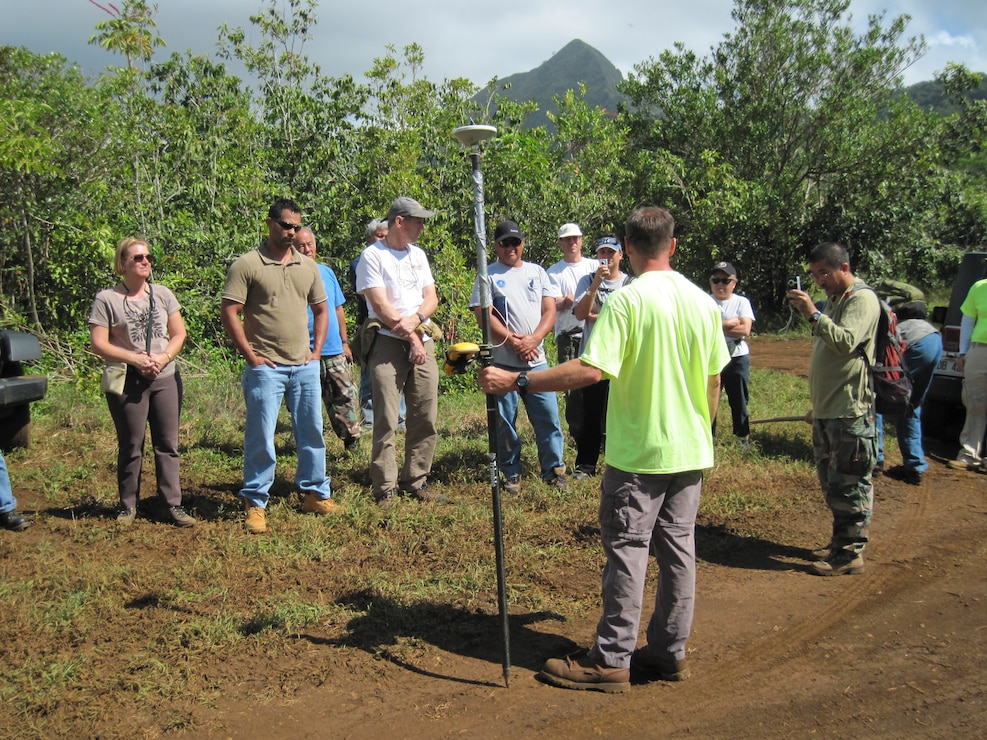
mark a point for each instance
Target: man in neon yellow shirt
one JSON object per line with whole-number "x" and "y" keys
{"x": 659, "y": 341}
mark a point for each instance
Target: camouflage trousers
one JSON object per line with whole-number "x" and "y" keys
{"x": 845, "y": 451}
{"x": 341, "y": 397}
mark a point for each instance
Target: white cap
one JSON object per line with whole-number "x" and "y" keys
{"x": 569, "y": 230}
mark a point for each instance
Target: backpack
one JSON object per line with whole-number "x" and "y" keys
{"x": 889, "y": 376}
{"x": 907, "y": 301}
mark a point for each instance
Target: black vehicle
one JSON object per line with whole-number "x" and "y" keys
{"x": 18, "y": 390}
{"x": 943, "y": 412}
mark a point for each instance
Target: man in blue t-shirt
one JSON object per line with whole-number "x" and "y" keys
{"x": 339, "y": 392}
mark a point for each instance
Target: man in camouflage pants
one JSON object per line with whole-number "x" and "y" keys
{"x": 844, "y": 435}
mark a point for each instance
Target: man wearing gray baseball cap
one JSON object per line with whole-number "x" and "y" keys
{"x": 395, "y": 279}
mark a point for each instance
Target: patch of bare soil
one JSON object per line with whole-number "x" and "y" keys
{"x": 897, "y": 651}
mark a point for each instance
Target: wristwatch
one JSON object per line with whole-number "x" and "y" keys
{"x": 815, "y": 317}
{"x": 522, "y": 382}
{"x": 421, "y": 319}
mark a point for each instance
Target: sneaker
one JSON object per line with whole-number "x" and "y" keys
{"x": 315, "y": 505}
{"x": 513, "y": 485}
{"x": 569, "y": 673}
{"x": 422, "y": 493}
{"x": 256, "y": 522}
{"x": 840, "y": 562}
{"x": 878, "y": 469}
{"x": 652, "y": 667}
{"x": 744, "y": 445}
{"x": 584, "y": 472}
{"x": 906, "y": 475}
{"x": 351, "y": 444}
{"x": 180, "y": 518}
{"x": 13, "y": 521}
{"x": 385, "y": 500}
{"x": 126, "y": 516}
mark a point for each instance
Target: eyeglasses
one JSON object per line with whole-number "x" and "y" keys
{"x": 509, "y": 243}
{"x": 287, "y": 226}
{"x": 142, "y": 257}
{"x": 721, "y": 281}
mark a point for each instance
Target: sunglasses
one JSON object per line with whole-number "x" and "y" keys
{"x": 721, "y": 281}
{"x": 142, "y": 257}
{"x": 288, "y": 227}
{"x": 509, "y": 243}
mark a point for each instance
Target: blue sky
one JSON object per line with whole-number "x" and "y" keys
{"x": 462, "y": 39}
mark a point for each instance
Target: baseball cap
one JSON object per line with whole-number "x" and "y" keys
{"x": 405, "y": 206}
{"x": 607, "y": 242}
{"x": 569, "y": 230}
{"x": 724, "y": 267}
{"x": 507, "y": 230}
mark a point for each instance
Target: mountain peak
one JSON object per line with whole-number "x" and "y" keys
{"x": 576, "y": 62}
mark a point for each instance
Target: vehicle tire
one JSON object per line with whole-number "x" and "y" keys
{"x": 942, "y": 421}
{"x": 15, "y": 428}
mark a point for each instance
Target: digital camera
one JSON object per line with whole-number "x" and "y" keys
{"x": 795, "y": 283}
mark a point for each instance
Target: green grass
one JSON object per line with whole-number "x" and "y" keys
{"x": 163, "y": 620}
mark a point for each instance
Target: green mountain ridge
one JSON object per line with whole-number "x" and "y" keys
{"x": 578, "y": 62}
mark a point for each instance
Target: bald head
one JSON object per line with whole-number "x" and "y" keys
{"x": 305, "y": 242}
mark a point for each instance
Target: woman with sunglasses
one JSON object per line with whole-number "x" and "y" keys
{"x": 738, "y": 318}
{"x": 141, "y": 325}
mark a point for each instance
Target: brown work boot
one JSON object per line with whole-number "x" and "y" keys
{"x": 256, "y": 522}
{"x": 423, "y": 493}
{"x": 315, "y": 505}
{"x": 840, "y": 562}
{"x": 583, "y": 674}
{"x": 648, "y": 665}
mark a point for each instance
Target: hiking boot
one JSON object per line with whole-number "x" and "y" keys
{"x": 906, "y": 475}
{"x": 840, "y": 562}
{"x": 878, "y": 469}
{"x": 569, "y": 673}
{"x": 513, "y": 484}
{"x": 557, "y": 481}
{"x": 125, "y": 517}
{"x": 315, "y": 505}
{"x": 256, "y": 522}
{"x": 960, "y": 464}
{"x": 13, "y": 521}
{"x": 385, "y": 500}
{"x": 823, "y": 553}
{"x": 650, "y": 666}
{"x": 179, "y": 517}
{"x": 422, "y": 493}
{"x": 351, "y": 444}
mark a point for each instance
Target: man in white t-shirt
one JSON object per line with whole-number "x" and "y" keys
{"x": 522, "y": 314}
{"x": 738, "y": 318}
{"x": 565, "y": 274}
{"x": 394, "y": 277}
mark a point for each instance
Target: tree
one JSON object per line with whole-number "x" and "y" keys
{"x": 789, "y": 133}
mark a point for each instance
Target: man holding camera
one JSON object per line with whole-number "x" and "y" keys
{"x": 844, "y": 435}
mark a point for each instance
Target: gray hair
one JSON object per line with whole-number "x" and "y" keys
{"x": 374, "y": 224}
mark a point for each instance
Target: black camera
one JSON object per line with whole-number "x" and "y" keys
{"x": 795, "y": 283}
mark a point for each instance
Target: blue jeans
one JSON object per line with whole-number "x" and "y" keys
{"x": 736, "y": 382}
{"x": 7, "y": 501}
{"x": 921, "y": 357}
{"x": 264, "y": 388}
{"x": 543, "y": 413}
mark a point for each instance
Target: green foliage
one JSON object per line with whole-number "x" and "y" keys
{"x": 792, "y": 130}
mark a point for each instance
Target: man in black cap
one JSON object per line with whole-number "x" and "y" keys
{"x": 395, "y": 279}
{"x": 522, "y": 314}
{"x": 738, "y": 318}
